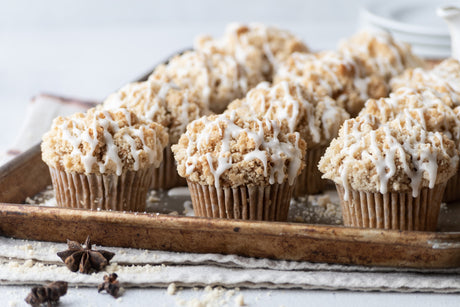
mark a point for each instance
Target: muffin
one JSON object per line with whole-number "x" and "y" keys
{"x": 166, "y": 104}
{"x": 389, "y": 175}
{"x": 317, "y": 120}
{"x": 217, "y": 78}
{"x": 103, "y": 159}
{"x": 444, "y": 78}
{"x": 427, "y": 107}
{"x": 379, "y": 54}
{"x": 240, "y": 168}
{"x": 257, "y": 47}
{"x": 331, "y": 74}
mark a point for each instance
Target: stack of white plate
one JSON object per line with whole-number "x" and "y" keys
{"x": 413, "y": 22}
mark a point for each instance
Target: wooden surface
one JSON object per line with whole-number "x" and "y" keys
{"x": 27, "y": 174}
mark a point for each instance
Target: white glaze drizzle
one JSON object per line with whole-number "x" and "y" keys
{"x": 272, "y": 150}
{"x": 422, "y": 159}
{"x": 76, "y": 133}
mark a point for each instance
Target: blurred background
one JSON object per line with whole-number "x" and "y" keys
{"x": 87, "y": 49}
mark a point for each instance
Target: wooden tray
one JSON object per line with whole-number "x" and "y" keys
{"x": 27, "y": 175}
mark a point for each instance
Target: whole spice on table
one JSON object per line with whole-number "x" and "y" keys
{"x": 84, "y": 259}
{"x": 48, "y": 294}
{"x": 110, "y": 285}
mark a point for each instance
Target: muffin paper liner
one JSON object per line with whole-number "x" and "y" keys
{"x": 166, "y": 176}
{"x": 392, "y": 210}
{"x": 127, "y": 192}
{"x": 270, "y": 203}
{"x": 309, "y": 181}
{"x": 452, "y": 192}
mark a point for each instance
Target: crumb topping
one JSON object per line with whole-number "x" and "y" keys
{"x": 316, "y": 119}
{"x": 163, "y": 103}
{"x": 103, "y": 141}
{"x": 426, "y": 107}
{"x": 397, "y": 156}
{"x": 332, "y": 74}
{"x": 379, "y": 53}
{"x": 227, "y": 150}
{"x": 444, "y": 78}
{"x": 259, "y": 48}
{"x": 217, "y": 78}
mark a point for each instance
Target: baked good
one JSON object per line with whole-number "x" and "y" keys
{"x": 329, "y": 73}
{"x": 103, "y": 159}
{"x": 379, "y": 53}
{"x": 389, "y": 175}
{"x": 257, "y": 47}
{"x": 168, "y": 105}
{"x": 217, "y": 78}
{"x": 427, "y": 107}
{"x": 238, "y": 167}
{"x": 444, "y": 78}
{"x": 317, "y": 119}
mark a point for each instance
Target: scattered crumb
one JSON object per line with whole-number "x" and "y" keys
{"x": 173, "y": 213}
{"x": 239, "y": 300}
{"x": 12, "y": 303}
{"x": 444, "y": 207}
{"x": 188, "y": 208}
{"x": 43, "y": 198}
{"x": 212, "y": 297}
{"x": 152, "y": 196}
{"x": 171, "y": 289}
{"x": 316, "y": 209}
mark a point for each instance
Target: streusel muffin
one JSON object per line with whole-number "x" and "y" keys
{"x": 316, "y": 119}
{"x": 427, "y": 107}
{"x": 257, "y": 47}
{"x": 331, "y": 74}
{"x": 103, "y": 159}
{"x": 389, "y": 175}
{"x": 217, "y": 78}
{"x": 378, "y": 53}
{"x": 444, "y": 78}
{"x": 240, "y": 168}
{"x": 166, "y": 104}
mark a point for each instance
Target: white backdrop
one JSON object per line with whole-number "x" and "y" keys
{"x": 90, "y": 48}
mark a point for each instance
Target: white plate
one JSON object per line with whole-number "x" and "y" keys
{"x": 413, "y": 17}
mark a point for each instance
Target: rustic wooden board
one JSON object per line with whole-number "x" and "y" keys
{"x": 27, "y": 174}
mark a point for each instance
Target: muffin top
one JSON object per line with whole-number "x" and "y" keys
{"x": 379, "y": 53}
{"x": 444, "y": 78}
{"x": 396, "y": 156}
{"x": 218, "y": 79}
{"x": 257, "y": 46}
{"x": 227, "y": 150}
{"x": 316, "y": 119}
{"x": 426, "y": 107}
{"x": 103, "y": 141}
{"x": 332, "y": 74}
{"x": 163, "y": 103}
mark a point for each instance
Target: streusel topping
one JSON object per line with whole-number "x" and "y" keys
{"x": 379, "y": 53}
{"x": 256, "y": 46}
{"x": 226, "y": 150}
{"x": 426, "y": 107}
{"x": 217, "y": 78}
{"x": 444, "y": 78}
{"x": 103, "y": 141}
{"x": 397, "y": 156}
{"x": 163, "y": 103}
{"x": 316, "y": 119}
{"x": 332, "y": 74}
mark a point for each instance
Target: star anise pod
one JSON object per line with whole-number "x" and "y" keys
{"x": 83, "y": 259}
{"x": 110, "y": 285}
{"x": 48, "y": 294}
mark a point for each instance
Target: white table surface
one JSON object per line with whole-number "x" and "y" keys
{"x": 44, "y": 47}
